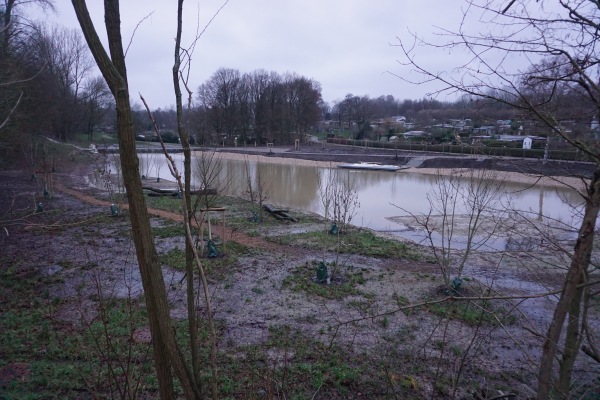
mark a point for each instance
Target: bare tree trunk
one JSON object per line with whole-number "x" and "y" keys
{"x": 572, "y": 343}
{"x": 6, "y": 29}
{"x": 150, "y": 270}
{"x": 113, "y": 69}
{"x": 575, "y": 276}
{"x": 189, "y": 253}
{"x": 204, "y": 282}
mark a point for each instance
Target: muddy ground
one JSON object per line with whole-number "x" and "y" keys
{"x": 74, "y": 256}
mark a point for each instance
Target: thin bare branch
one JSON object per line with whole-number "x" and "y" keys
{"x": 135, "y": 30}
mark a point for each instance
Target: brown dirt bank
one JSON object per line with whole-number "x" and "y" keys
{"x": 430, "y": 160}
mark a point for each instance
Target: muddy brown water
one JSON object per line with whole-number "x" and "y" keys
{"x": 384, "y": 199}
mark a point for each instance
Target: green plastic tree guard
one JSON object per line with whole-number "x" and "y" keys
{"x": 322, "y": 273}
{"x": 334, "y": 229}
{"x": 212, "y": 249}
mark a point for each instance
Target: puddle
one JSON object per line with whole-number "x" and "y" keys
{"x": 508, "y": 280}
{"x": 523, "y": 236}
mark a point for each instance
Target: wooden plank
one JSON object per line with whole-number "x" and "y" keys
{"x": 279, "y": 213}
{"x": 272, "y": 209}
{"x": 161, "y": 190}
{"x": 287, "y": 216}
{"x": 158, "y": 194}
{"x": 176, "y": 190}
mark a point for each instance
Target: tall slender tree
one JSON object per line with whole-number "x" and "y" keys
{"x": 166, "y": 353}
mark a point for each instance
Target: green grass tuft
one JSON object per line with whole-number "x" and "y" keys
{"x": 353, "y": 242}
{"x": 303, "y": 279}
{"x": 472, "y": 312}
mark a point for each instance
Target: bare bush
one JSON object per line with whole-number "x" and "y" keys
{"x": 467, "y": 209}
{"x": 338, "y": 197}
{"x": 148, "y": 164}
{"x": 211, "y": 182}
{"x": 339, "y": 203}
{"x": 257, "y": 190}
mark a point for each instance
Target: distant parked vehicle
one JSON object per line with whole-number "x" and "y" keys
{"x": 140, "y": 137}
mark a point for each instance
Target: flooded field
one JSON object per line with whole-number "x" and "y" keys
{"x": 387, "y": 201}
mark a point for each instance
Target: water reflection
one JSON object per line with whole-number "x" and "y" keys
{"x": 381, "y": 194}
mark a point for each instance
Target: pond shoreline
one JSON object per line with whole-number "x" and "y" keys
{"x": 420, "y": 160}
{"x": 551, "y": 174}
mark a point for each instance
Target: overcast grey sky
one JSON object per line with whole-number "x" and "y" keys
{"x": 345, "y": 45}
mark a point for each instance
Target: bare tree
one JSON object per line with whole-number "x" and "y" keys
{"x": 222, "y": 92}
{"x": 12, "y": 22}
{"x": 95, "y": 98}
{"x": 558, "y": 42}
{"x": 19, "y": 67}
{"x": 68, "y": 63}
{"x": 31, "y": 151}
{"x": 339, "y": 203}
{"x": 266, "y": 105}
{"x": 257, "y": 190}
{"x": 11, "y": 111}
{"x": 148, "y": 164}
{"x": 166, "y": 353}
{"x": 212, "y": 182}
{"x": 180, "y": 75}
{"x": 467, "y": 210}
{"x": 209, "y": 170}
{"x": 339, "y": 198}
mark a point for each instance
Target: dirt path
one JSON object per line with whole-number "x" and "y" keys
{"x": 234, "y": 235}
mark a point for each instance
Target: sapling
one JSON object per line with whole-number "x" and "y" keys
{"x": 339, "y": 203}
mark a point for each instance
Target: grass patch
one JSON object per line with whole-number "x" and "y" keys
{"x": 83, "y": 139}
{"x": 239, "y": 217}
{"x": 174, "y": 258}
{"x": 288, "y": 363}
{"x": 303, "y": 279}
{"x": 358, "y": 241}
{"x": 233, "y": 248}
{"x": 296, "y": 365}
{"x": 166, "y": 203}
{"x": 66, "y": 361}
{"x": 472, "y": 312}
{"x": 11, "y": 281}
{"x": 169, "y": 231}
{"x": 242, "y": 220}
{"x": 173, "y": 204}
